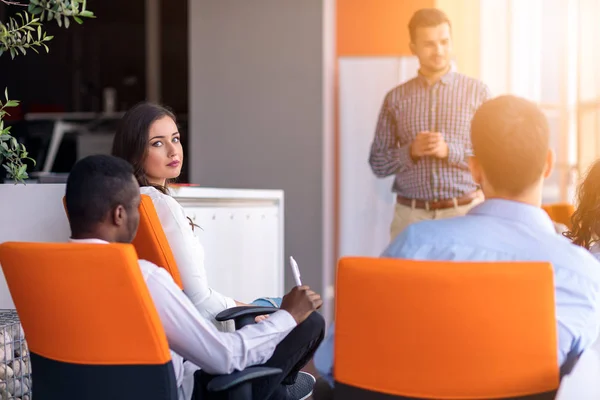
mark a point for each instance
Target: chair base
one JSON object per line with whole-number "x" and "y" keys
{"x": 345, "y": 392}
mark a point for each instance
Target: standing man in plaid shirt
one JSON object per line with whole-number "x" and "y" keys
{"x": 422, "y": 134}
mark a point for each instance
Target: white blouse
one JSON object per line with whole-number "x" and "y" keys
{"x": 189, "y": 256}
{"x": 595, "y": 249}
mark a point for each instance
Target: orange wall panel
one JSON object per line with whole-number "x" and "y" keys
{"x": 375, "y": 27}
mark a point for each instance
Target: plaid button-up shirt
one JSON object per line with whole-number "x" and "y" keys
{"x": 446, "y": 107}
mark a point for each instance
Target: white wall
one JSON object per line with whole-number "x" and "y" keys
{"x": 366, "y": 202}
{"x": 37, "y": 215}
{"x": 256, "y": 110}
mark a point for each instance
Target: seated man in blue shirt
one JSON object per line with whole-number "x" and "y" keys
{"x": 511, "y": 158}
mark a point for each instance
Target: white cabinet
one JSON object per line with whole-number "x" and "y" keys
{"x": 242, "y": 235}
{"x": 242, "y": 232}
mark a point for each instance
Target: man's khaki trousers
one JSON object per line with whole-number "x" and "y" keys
{"x": 406, "y": 215}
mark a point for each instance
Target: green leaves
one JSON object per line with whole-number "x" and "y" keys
{"x": 17, "y": 35}
{"x": 12, "y": 153}
{"x": 61, "y": 10}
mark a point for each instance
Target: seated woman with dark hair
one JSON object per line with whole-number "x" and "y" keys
{"x": 149, "y": 139}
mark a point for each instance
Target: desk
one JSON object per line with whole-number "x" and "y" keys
{"x": 66, "y": 122}
{"x": 583, "y": 383}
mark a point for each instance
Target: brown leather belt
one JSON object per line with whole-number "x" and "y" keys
{"x": 440, "y": 204}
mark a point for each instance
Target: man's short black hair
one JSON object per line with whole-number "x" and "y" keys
{"x": 511, "y": 139}
{"x": 97, "y": 185}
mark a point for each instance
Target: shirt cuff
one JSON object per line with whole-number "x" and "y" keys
{"x": 229, "y": 302}
{"x": 282, "y": 320}
{"x": 456, "y": 154}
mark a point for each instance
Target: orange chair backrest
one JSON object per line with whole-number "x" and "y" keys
{"x": 560, "y": 212}
{"x": 446, "y": 330}
{"x": 151, "y": 242}
{"x": 84, "y": 303}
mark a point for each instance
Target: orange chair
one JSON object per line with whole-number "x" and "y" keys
{"x": 150, "y": 241}
{"x": 91, "y": 326}
{"x": 560, "y": 212}
{"x": 444, "y": 330}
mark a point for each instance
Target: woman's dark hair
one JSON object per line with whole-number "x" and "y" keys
{"x": 131, "y": 139}
{"x": 586, "y": 218}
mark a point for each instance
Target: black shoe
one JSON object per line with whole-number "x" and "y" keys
{"x": 303, "y": 388}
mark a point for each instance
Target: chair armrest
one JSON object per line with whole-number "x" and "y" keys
{"x": 244, "y": 315}
{"x": 228, "y": 382}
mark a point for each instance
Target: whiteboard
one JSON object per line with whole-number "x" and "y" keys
{"x": 366, "y": 202}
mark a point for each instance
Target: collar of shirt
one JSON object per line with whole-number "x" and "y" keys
{"x": 91, "y": 241}
{"x": 515, "y": 211}
{"x": 446, "y": 79}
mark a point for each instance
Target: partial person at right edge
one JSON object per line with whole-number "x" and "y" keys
{"x": 422, "y": 134}
{"x": 585, "y": 221}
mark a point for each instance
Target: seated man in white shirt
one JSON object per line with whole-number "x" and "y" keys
{"x": 102, "y": 200}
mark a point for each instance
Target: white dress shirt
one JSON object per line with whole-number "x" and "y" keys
{"x": 189, "y": 256}
{"x": 193, "y": 337}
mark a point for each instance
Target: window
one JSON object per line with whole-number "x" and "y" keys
{"x": 549, "y": 52}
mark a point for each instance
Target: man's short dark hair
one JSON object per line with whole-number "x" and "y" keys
{"x": 97, "y": 185}
{"x": 425, "y": 18}
{"x": 511, "y": 138}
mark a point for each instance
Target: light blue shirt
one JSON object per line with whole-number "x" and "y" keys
{"x": 502, "y": 230}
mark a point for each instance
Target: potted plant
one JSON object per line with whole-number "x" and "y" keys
{"x": 30, "y": 213}
{"x": 19, "y": 34}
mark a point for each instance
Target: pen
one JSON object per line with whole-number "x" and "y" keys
{"x": 295, "y": 271}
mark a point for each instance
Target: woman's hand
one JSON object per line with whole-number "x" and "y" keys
{"x": 261, "y": 318}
